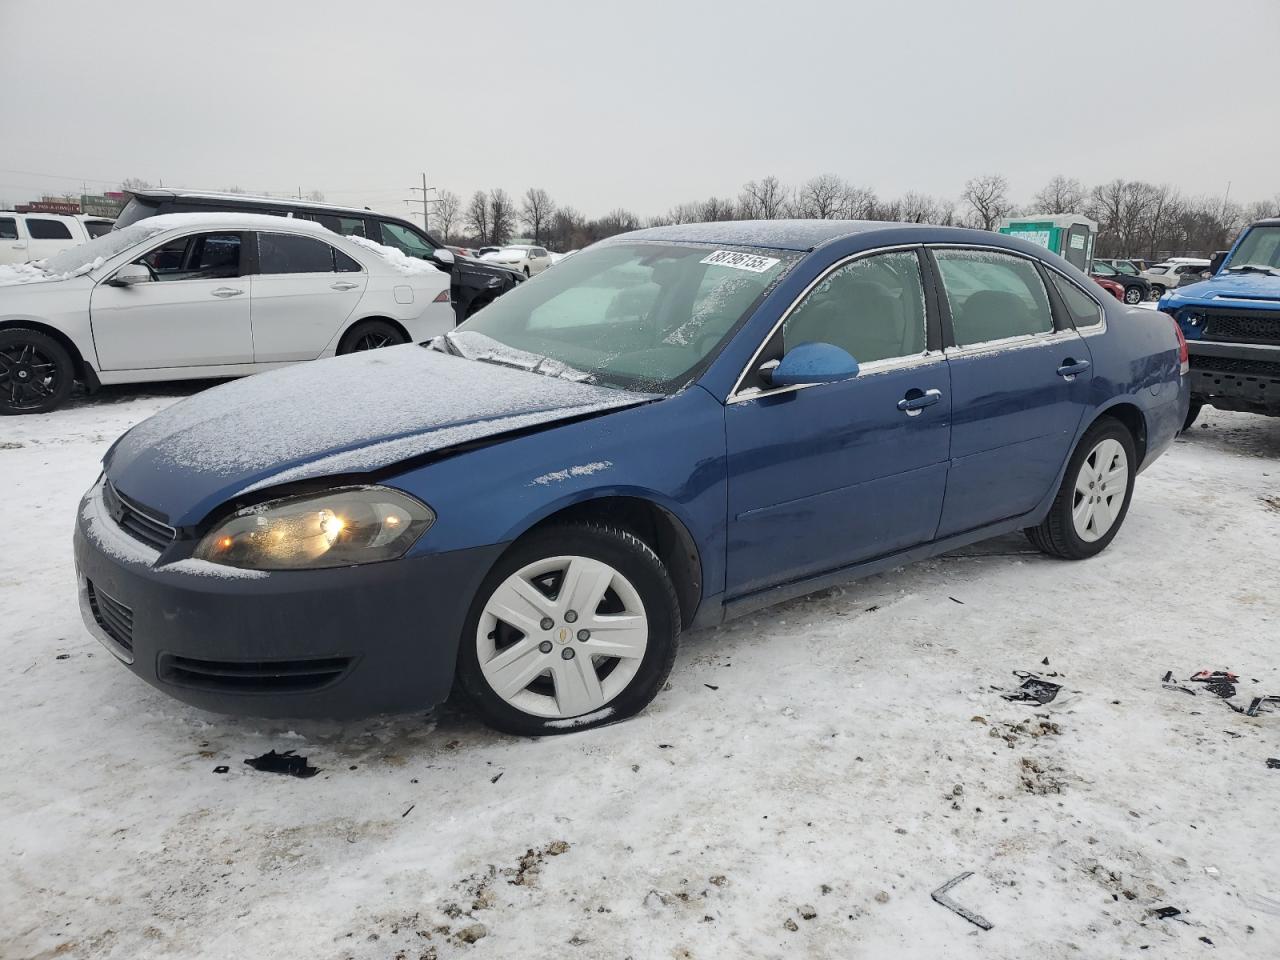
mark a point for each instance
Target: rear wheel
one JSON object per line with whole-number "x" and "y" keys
{"x": 1132, "y": 295}
{"x": 1157, "y": 291}
{"x": 36, "y": 372}
{"x": 370, "y": 335}
{"x": 575, "y": 627}
{"x": 1094, "y": 497}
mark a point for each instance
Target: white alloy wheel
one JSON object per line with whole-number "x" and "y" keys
{"x": 1100, "y": 489}
{"x": 561, "y": 637}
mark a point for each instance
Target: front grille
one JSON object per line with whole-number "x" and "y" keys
{"x": 136, "y": 519}
{"x": 115, "y": 619}
{"x": 1252, "y": 327}
{"x": 1233, "y": 365}
{"x": 252, "y": 676}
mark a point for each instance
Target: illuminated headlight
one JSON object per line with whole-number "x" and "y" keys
{"x": 337, "y": 528}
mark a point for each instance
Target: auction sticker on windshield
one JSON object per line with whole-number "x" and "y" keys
{"x": 740, "y": 261}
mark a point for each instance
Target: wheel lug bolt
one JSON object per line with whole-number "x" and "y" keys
{"x": 547, "y": 623}
{"x": 566, "y": 653}
{"x": 570, "y": 616}
{"x": 584, "y": 634}
{"x": 545, "y": 646}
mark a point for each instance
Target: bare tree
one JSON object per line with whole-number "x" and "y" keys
{"x": 478, "y": 217}
{"x": 1262, "y": 209}
{"x": 448, "y": 210}
{"x": 135, "y": 183}
{"x": 316, "y": 195}
{"x": 919, "y": 208}
{"x": 714, "y": 208}
{"x": 824, "y": 197}
{"x": 536, "y": 211}
{"x": 502, "y": 216}
{"x": 763, "y": 200}
{"x": 684, "y": 213}
{"x": 1060, "y": 195}
{"x": 988, "y": 199}
{"x": 1162, "y": 208}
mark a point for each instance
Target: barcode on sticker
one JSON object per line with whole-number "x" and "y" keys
{"x": 740, "y": 261}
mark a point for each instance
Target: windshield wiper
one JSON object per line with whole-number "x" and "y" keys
{"x": 1254, "y": 268}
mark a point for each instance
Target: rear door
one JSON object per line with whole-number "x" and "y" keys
{"x": 49, "y": 236}
{"x": 1019, "y": 382}
{"x": 303, "y": 292}
{"x": 194, "y": 312}
{"x": 13, "y": 240}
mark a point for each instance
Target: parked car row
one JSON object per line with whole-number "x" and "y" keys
{"x": 34, "y": 236}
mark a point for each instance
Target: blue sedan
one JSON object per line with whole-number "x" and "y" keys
{"x": 673, "y": 427}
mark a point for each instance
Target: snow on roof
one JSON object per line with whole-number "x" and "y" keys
{"x": 774, "y": 234}
{"x": 238, "y": 221}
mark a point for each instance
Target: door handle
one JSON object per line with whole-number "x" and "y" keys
{"x": 916, "y": 400}
{"x": 1070, "y": 367}
{"x": 225, "y": 292}
{"x": 344, "y": 285}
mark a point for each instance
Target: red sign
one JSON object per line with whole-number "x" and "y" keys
{"x": 49, "y": 206}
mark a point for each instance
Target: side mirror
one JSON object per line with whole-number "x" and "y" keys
{"x": 810, "y": 363}
{"x": 130, "y": 274}
{"x": 444, "y": 257}
{"x": 1216, "y": 261}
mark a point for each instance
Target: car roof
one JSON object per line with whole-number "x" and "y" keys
{"x": 214, "y": 195}
{"x": 807, "y": 235}
{"x": 224, "y": 220}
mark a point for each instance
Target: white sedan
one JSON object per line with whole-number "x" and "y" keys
{"x": 528, "y": 260}
{"x": 206, "y": 295}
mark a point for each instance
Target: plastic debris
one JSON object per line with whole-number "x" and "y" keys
{"x": 1273, "y": 763}
{"x": 1166, "y": 913}
{"x": 286, "y": 763}
{"x": 221, "y": 769}
{"x": 1033, "y": 689}
{"x": 940, "y": 896}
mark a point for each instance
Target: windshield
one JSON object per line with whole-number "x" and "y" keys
{"x": 95, "y": 252}
{"x": 1260, "y": 247}
{"x": 639, "y": 316}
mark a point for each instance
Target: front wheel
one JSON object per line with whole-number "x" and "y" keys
{"x": 1132, "y": 295}
{"x": 575, "y": 627}
{"x": 36, "y": 372}
{"x": 1094, "y": 497}
{"x": 1157, "y": 291}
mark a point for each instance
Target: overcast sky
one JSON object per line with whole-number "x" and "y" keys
{"x": 637, "y": 104}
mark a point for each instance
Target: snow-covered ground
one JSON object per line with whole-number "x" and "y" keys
{"x": 812, "y": 773}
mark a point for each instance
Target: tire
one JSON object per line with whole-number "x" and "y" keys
{"x": 548, "y": 688}
{"x": 371, "y": 335}
{"x": 1193, "y": 411}
{"x": 36, "y": 372}
{"x": 1157, "y": 291}
{"x": 526, "y": 272}
{"x": 1132, "y": 295}
{"x": 1062, "y": 532}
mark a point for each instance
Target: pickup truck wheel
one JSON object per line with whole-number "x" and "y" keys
{"x": 1193, "y": 411}
{"x": 1132, "y": 295}
{"x": 370, "y": 335}
{"x": 1094, "y": 497}
{"x": 36, "y": 373}
{"x": 575, "y": 627}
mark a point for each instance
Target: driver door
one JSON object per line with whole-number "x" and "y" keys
{"x": 193, "y": 313}
{"x": 827, "y": 475}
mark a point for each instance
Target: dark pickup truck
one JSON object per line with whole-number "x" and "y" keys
{"x": 474, "y": 282}
{"x": 1232, "y": 325}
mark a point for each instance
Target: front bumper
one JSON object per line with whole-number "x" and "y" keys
{"x": 1236, "y": 376}
{"x": 337, "y": 643}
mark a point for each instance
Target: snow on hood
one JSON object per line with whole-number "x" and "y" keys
{"x": 409, "y": 266}
{"x": 1230, "y": 286}
{"x": 350, "y": 414}
{"x": 38, "y": 272}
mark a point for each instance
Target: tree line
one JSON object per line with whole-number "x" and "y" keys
{"x": 1135, "y": 218}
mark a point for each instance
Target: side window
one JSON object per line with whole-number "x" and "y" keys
{"x": 993, "y": 296}
{"x": 286, "y": 253}
{"x": 344, "y": 264}
{"x": 47, "y": 229}
{"x": 538, "y": 252}
{"x": 97, "y": 228}
{"x": 1083, "y": 308}
{"x": 1103, "y": 269}
{"x": 406, "y": 240}
{"x": 873, "y": 308}
{"x": 8, "y": 228}
{"x": 1127, "y": 268}
{"x": 206, "y": 256}
{"x": 351, "y": 226}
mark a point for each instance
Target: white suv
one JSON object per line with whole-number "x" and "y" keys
{"x": 34, "y": 236}
{"x": 527, "y": 259}
{"x": 1173, "y": 273}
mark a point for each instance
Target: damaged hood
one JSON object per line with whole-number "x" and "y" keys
{"x": 348, "y": 415}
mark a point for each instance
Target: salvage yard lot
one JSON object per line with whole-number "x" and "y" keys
{"x": 813, "y": 772}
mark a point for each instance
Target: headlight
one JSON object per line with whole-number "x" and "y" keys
{"x": 332, "y": 529}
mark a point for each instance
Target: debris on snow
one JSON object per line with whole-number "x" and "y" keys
{"x": 940, "y": 896}
{"x": 287, "y": 763}
{"x": 1033, "y": 689}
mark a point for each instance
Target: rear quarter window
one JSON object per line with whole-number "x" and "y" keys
{"x": 1084, "y": 310}
{"x": 41, "y": 229}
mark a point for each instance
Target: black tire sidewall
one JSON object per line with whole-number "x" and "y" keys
{"x": 630, "y": 558}
{"x": 1106, "y": 428}
{"x": 62, "y": 361}
{"x": 1137, "y": 293}
{"x": 347, "y": 343}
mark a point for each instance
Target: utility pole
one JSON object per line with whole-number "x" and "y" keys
{"x": 426, "y": 203}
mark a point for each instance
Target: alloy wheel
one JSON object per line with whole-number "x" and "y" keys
{"x": 28, "y": 377}
{"x": 562, "y": 636}
{"x": 372, "y": 341}
{"x": 1099, "y": 491}
{"x": 1132, "y": 295}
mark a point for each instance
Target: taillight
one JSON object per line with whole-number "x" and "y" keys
{"x": 1184, "y": 355}
{"x": 442, "y": 296}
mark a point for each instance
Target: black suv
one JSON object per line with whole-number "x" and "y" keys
{"x": 474, "y": 284}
